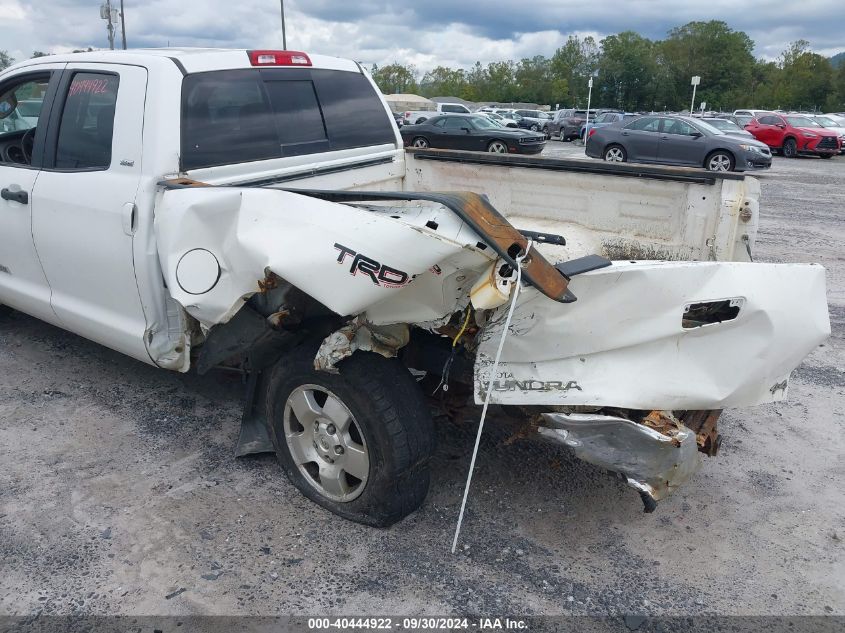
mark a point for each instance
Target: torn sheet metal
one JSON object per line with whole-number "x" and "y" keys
{"x": 345, "y": 257}
{"x": 386, "y": 340}
{"x": 624, "y": 344}
{"x": 653, "y": 461}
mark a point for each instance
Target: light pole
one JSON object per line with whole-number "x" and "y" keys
{"x": 695, "y": 81}
{"x": 284, "y": 36}
{"x": 587, "y": 122}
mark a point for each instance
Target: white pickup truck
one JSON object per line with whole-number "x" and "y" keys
{"x": 415, "y": 117}
{"x": 199, "y": 208}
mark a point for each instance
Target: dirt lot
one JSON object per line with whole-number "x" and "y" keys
{"x": 119, "y": 492}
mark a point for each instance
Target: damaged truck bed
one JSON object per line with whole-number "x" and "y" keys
{"x": 343, "y": 275}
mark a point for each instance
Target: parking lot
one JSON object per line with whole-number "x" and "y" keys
{"x": 120, "y": 494}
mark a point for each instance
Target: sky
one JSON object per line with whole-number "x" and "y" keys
{"x": 425, "y": 33}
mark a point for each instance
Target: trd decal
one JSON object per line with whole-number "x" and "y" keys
{"x": 379, "y": 274}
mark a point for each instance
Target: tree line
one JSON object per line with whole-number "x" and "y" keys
{"x": 635, "y": 73}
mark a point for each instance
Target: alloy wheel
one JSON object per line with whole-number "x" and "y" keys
{"x": 497, "y": 147}
{"x": 614, "y": 155}
{"x": 420, "y": 142}
{"x": 719, "y": 162}
{"x": 326, "y": 443}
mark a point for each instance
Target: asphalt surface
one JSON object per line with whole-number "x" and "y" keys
{"x": 119, "y": 492}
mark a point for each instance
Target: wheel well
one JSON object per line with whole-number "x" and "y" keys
{"x": 419, "y": 136}
{"x": 716, "y": 151}
{"x": 609, "y": 145}
{"x": 789, "y": 138}
{"x": 495, "y": 140}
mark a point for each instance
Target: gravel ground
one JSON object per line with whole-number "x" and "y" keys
{"x": 119, "y": 492}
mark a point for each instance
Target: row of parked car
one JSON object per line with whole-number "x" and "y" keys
{"x": 744, "y": 140}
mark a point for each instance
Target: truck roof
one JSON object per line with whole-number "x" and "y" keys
{"x": 190, "y": 60}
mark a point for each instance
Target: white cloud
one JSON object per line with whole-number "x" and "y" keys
{"x": 426, "y": 34}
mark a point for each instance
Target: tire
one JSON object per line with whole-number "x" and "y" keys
{"x": 420, "y": 141}
{"x": 825, "y": 155}
{"x": 615, "y": 154}
{"x": 534, "y": 127}
{"x": 497, "y": 147}
{"x": 373, "y": 440}
{"x": 790, "y": 148}
{"x": 719, "y": 160}
{"x": 547, "y": 134}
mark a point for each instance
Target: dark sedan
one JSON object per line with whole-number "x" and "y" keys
{"x": 677, "y": 140}
{"x": 472, "y": 132}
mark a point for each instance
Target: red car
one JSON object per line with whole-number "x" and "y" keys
{"x": 794, "y": 134}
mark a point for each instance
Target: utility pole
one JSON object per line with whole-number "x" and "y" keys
{"x": 284, "y": 36}
{"x": 123, "y": 24}
{"x": 106, "y": 13}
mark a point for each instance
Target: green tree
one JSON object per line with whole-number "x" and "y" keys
{"x": 626, "y": 72}
{"x": 836, "y": 101}
{"x": 6, "y": 60}
{"x": 722, "y": 57}
{"x": 395, "y": 78}
{"x": 574, "y": 63}
{"x": 806, "y": 78}
{"x": 443, "y": 81}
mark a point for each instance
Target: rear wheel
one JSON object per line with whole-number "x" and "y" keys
{"x": 790, "y": 148}
{"x": 497, "y": 147}
{"x": 535, "y": 127}
{"x": 358, "y": 442}
{"x": 825, "y": 155}
{"x": 615, "y": 154}
{"x": 420, "y": 142}
{"x": 719, "y": 161}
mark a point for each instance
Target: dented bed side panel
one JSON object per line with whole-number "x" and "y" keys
{"x": 345, "y": 257}
{"x": 623, "y": 344}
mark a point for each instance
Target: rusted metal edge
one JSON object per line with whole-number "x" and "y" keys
{"x": 629, "y": 170}
{"x": 475, "y": 210}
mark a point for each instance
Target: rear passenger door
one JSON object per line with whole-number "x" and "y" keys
{"x": 84, "y": 203}
{"x": 678, "y": 146}
{"x": 641, "y": 138}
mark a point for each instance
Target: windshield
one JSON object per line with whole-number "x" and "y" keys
{"x": 826, "y": 122}
{"x": 724, "y": 125}
{"x": 706, "y": 127}
{"x": 483, "y": 123}
{"x": 801, "y": 121}
{"x": 744, "y": 119}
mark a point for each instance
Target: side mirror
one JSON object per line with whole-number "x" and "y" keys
{"x": 8, "y": 105}
{"x": 696, "y": 134}
{"x": 466, "y": 129}
{"x": 781, "y": 125}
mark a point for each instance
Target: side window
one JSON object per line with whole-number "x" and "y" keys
{"x": 645, "y": 124}
{"x": 456, "y": 123}
{"x": 673, "y": 126}
{"x": 20, "y": 111}
{"x": 86, "y": 128}
{"x": 767, "y": 120}
{"x": 438, "y": 122}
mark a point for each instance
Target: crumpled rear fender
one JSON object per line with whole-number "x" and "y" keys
{"x": 623, "y": 343}
{"x": 346, "y": 258}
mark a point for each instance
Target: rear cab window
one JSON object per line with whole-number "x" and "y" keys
{"x": 238, "y": 116}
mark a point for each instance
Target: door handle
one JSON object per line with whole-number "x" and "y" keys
{"x": 664, "y": 138}
{"x": 15, "y": 196}
{"x": 624, "y": 134}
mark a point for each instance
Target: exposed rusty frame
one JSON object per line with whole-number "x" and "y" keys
{"x": 472, "y": 208}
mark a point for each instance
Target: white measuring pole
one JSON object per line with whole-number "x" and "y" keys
{"x": 695, "y": 81}
{"x": 587, "y": 122}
